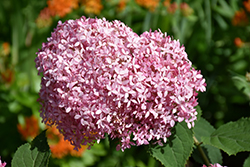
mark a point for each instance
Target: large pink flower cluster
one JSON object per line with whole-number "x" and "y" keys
{"x": 100, "y": 77}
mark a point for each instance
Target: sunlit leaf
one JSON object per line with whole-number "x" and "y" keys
{"x": 177, "y": 149}
{"x": 247, "y": 162}
{"x": 203, "y": 128}
{"x": 232, "y": 137}
{"x": 35, "y": 154}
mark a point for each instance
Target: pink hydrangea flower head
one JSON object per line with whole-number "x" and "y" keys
{"x": 2, "y": 164}
{"x": 215, "y": 165}
{"x": 100, "y": 77}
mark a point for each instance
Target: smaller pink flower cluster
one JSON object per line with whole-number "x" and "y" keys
{"x": 215, "y": 165}
{"x": 2, "y": 164}
{"x": 100, "y": 78}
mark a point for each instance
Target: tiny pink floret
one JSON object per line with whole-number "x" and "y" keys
{"x": 100, "y": 77}
{"x": 2, "y": 164}
{"x": 214, "y": 165}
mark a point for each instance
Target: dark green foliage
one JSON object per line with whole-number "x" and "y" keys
{"x": 35, "y": 154}
{"x": 208, "y": 36}
{"x": 177, "y": 149}
{"x": 232, "y": 137}
{"x": 203, "y": 128}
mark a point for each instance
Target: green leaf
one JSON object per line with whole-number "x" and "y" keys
{"x": 247, "y": 162}
{"x": 178, "y": 148}
{"x": 203, "y": 128}
{"x": 232, "y": 137}
{"x": 35, "y": 154}
{"x": 147, "y": 22}
{"x": 223, "y": 9}
{"x": 241, "y": 83}
{"x": 221, "y": 21}
{"x": 199, "y": 113}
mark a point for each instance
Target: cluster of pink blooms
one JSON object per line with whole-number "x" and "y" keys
{"x": 215, "y": 165}
{"x": 100, "y": 77}
{"x": 2, "y": 164}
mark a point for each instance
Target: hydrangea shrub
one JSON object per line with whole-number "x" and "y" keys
{"x": 100, "y": 77}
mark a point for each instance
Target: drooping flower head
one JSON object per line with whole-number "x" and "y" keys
{"x": 100, "y": 77}
{"x": 60, "y": 147}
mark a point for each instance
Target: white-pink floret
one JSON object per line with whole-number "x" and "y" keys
{"x": 214, "y": 165}
{"x": 100, "y": 77}
{"x": 2, "y": 164}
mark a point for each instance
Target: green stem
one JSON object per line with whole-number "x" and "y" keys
{"x": 16, "y": 23}
{"x": 14, "y": 45}
{"x": 203, "y": 155}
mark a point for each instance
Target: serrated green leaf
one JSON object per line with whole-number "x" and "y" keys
{"x": 247, "y": 162}
{"x": 35, "y": 154}
{"x": 199, "y": 112}
{"x": 203, "y": 128}
{"x": 232, "y": 137}
{"x": 178, "y": 148}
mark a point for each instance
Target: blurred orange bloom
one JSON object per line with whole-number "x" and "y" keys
{"x": 92, "y": 6}
{"x": 149, "y": 4}
{"x": 166, "y": 3}
{"x": 30, "y": 129}
{"x": 247, "y": 5}
{"x": 240, "y": 18}
{"x": 238, "y": 42}
{"x": 6, "y": 48}
{"x": 60, "y": 147}
{"x": 186, "y": 10}
{"x": 172, "y": 8}
{"x": 122, "y": 5}
{"x": 45, "y": 18}
{"x": 8, "y": 76}
{"x": 61, "y": 7}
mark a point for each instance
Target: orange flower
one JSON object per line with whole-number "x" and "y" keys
{"x": 92, "y": 6}
{"x": 6, "y": 48}
{"x": 122, "y": 5}
{"x": 44, "y": 19}
{"x": 247, "y": 5}
{"x": 8, "y": 76}
{"x": 240, "y": 18}
{"x": 149, "y": 4}
{"x": 186, "y": 10}
{"x": 172, "y": 8}
{"x": 238, "y": 42}
{"x": 166, "y": 3}
{"x": 60, "y": 147}
{"x": 62, "y": 7}
{"x": 30, "y": 129}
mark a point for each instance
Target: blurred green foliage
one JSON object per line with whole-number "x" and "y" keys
{"x": 206, "y": 31}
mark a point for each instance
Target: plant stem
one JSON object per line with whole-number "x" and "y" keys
{"x": 203, "y": 155}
